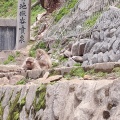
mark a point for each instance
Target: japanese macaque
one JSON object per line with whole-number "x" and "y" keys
{"x": 43, "y": 59}
{"x": 30, "y": 64}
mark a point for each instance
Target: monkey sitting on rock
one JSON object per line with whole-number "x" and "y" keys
{"x": 43, "y": 59}
{"x": 30, "y": 64}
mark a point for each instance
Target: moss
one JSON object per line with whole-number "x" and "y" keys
{"x": 65, "y": 9}
{"x": 21, "y": 103}
{"x": 14, "y": 109}
{"x": 39, "y": 101}
{"x": 16, "y": 116}
{"x": 1, "y": 112}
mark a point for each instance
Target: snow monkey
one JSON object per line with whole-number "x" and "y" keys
{"x": 43, "y": 59}
{"x": 30, "y": 64}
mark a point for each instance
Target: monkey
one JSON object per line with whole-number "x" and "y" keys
{"x": 30, "y": 64}
{"x": 43, "y": 59}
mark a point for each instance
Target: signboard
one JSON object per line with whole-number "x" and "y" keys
{"x": 23, "y": 23}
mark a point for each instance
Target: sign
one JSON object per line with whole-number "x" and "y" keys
{"x": 23, "y": 23}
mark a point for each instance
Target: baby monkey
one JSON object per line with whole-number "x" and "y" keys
{"x": 43, "y": 59}
{"x": 30, "y": 64}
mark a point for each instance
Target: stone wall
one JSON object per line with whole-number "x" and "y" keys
{"x": 105, "y": 39}
{"x": 22, "y": 102}
{"x": 65, "y": 100}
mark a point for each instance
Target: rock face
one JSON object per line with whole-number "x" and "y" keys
{"x": 83, "y": 100}
{"x": 65, "y": 100}
{"x": 105, "y": 43}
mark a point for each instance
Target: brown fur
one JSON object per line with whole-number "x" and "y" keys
{"x": 30, "y": 64}
{"x": 43, "y": 59}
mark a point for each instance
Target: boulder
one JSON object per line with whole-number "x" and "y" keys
{"x": 78, "y": 58}
{"x": 67, "y": 53}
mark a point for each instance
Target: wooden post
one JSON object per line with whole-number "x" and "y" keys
{"x": 23, "y": 23}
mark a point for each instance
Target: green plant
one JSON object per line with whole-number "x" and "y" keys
{"x": 39, "y": 101}
{"x": 14, "y": 109}
{"x": 67, "y": 76}
{"x": 55, "y": 64}
{"x": 62, "y": 59}
{"x": 77, "y": 71}
{"x": 65, "y": 9}
{"x": 8, "y": 8}
{"x": 17, "y": 53}
{"x": 91, "y": 72}
{"x": 101, "y": 74}
{"x": 1, "y": 111}
{"x": 77, "y": 64}
{"x": 10, "y": 58}
{"x": 91, "y": 20}
{"x": 21, "y": 82}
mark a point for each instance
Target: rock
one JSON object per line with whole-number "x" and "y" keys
{"x": 23, "y": 114}
{"x": 78, "y": 59}
{"x": 10, "y": 68}
{"x": 100, "y": 57}
{"x": 88, "y": 46}
{"x": 104, "y": 67}
{"x": 14, "y": 79}
{"x": 4, "y": 81}
{"x": 95, "y": 58}
{"x": 96, "y": 35}
{"x": 106, "y": 57}
{"x": 70, "y": 45}
{"x": 42, "y": 28}
{"x": 75, "y": 49}
{"x": 7, "y": 96}
{"x": 70, "y": 63}
{"x": 105, "y": 39}
{"x": 39, "y": 114}
{"x": 67, "y": 54}
{"x": 29, "y": 99}
{"x": 54, "y": 78}
{"x": 45, "y": 76}
{"x": 83, "y": 95}
{"x": 6, "y": 112}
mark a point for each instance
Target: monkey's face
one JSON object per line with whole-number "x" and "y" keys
{"x": 29, "y": 65}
